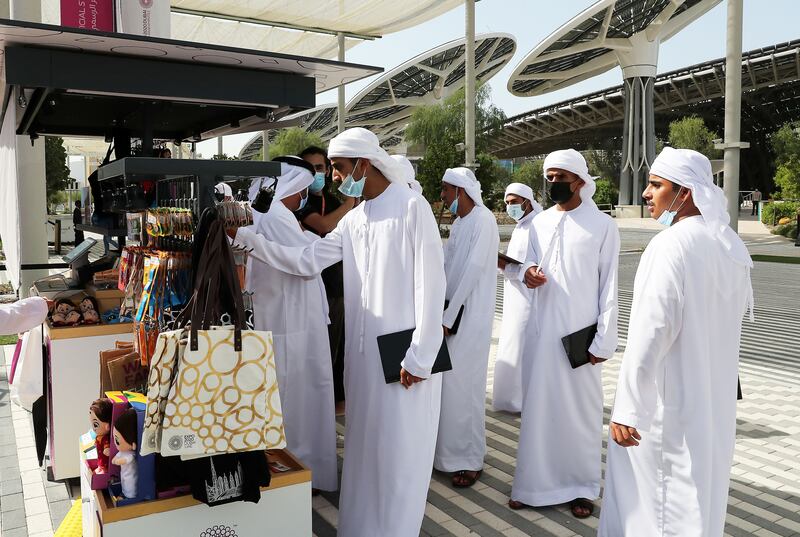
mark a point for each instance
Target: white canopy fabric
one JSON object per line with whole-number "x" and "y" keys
{"x": 365, "y": 17}
{"x": 252, "y": 36}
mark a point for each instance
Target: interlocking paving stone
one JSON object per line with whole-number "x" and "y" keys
{"x": 764, "y": 498}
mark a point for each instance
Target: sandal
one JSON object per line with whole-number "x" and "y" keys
{"x": 581, "y": 503}
{"x": 516, "y": 506}
{"x": 465, "y": 478}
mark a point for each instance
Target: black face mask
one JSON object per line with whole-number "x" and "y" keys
{"x": 560, "y": 192}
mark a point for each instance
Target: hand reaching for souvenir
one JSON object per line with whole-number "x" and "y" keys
{"x": 594, "y": 360}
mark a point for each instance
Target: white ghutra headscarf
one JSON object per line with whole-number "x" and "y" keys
{"x": 464, "y": 178}
{"x": 572, "y": 161}
{"x": 361, "y": 143}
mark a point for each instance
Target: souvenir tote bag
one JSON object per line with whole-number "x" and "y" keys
{"x": 224, "y": 398}
{"x": 163, "y": 367}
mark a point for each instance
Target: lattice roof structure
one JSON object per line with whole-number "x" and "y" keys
{"x": 770, "y": 96}
{"x": 601, "y": 37}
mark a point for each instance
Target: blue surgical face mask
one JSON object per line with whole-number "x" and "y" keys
{"x": 303, "y": 202}
{"x": 351, "y": 187}
{"x": 454, "y": 206}
{"x": 515, "y": 211}
{"x": 668, "y": 216}
{"x": 319, "y": 182}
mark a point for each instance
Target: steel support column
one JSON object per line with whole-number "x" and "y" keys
{"x": 469, "y": 85}
{"x": 638, "y": 138}
{"x": 340, "y": 111}
{"x": 733, "y": 109}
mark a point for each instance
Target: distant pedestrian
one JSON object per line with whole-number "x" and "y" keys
{"x": 755, "y": 197}
{"x": 77, "y": 219}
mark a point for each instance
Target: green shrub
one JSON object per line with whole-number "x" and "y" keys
{"x": 606, "y": 194}
{"x": 773, "y": 211}
{"x": 786, "y": 230}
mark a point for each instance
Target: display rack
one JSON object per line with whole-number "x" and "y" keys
{"x": 205, "y": 173}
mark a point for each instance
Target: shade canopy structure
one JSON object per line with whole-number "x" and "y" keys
{"x": 770, "y": 98}
{"x": 611, "y": 33}
{"x": 386, "y": 105}
{"x": 608, "y": 34}
{"x": 65, "y": 81}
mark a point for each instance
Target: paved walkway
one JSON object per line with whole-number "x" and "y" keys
{"x": 764, "y": 498}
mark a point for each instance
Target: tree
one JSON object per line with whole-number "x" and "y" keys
{"x": 439, "y": 129}
{"x": 786, "y": 145}
{"x": 605, "y": 163}
{"x": 691, "y": 133}
{"x": 56, "y": 171}
{"x": 292, "y": 141}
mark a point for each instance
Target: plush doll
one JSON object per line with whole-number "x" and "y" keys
{"x": 100, "y": 420}
{"x": 125, "y": 435}
{"x": 89, "y": 310}
{"x": 64, "y": 313}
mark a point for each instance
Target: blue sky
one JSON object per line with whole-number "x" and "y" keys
{"x": 766, "y": 22}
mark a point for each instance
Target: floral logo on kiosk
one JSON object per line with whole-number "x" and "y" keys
{"x": 219, "y": 531}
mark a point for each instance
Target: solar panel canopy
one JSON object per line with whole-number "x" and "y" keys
{"x": 599, "y": 39}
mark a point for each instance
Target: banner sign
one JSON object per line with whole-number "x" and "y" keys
{"x": 88, "y": 14}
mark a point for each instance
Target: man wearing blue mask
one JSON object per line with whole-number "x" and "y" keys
{"x": 507, "y": 384}
{"x": 394, "y": 282}
{"x": 673, "y": 427}
{"x": 470, "y": 256}
{"x": 321, "y": 215}
{"x": 295, "y": 310}
{"x": 572, "y": 267}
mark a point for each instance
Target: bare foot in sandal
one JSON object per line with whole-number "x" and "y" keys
{"x": 581, "y": 507}
{"x": 465, "y": 478}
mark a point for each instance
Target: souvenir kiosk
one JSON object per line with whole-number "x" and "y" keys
{"x": 132, "y": 91}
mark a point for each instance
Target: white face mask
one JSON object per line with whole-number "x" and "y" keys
{"x": 666, "y": 218}
{"x": 515, "y": 211}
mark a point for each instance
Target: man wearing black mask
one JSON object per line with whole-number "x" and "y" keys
{"x": 572, "y": 265}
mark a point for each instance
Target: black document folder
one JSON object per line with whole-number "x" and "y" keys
{"x": 504, "y": 257}
{"x": 577, "y": 344}
{"x": 392, "y": 348}
{"x": 454, "y": 329}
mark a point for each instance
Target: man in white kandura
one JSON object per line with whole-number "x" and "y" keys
{"x": 573, "y": 251}
{"x": 470, "y": 257}
{"x": 295, "y": 310}
{"x": 393, "y": 281}
{"x": 507, "y": 385}
{"x": 674, "y": 421}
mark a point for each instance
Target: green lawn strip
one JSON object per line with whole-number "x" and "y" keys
{"x": 777, "y": 259}
{"x": 8, "y": 340}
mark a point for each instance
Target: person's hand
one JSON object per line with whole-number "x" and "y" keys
{"x": 623, "y": 435}
{"x": 407, "y": 379}
{"x": 594, "y": 359}
{"x": 501, "y": 263}
{"x": 446, "y": 330}
{"x": 534, "y": 277}
{"x": 231, "y": 232}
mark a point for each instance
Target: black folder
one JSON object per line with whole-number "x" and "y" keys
{"x": 392, "y": 348}
{"x": 577, "y": 344}
{"x": 504, "y": 257}
{"x": 454, "y": 329}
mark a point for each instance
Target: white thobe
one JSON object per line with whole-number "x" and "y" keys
{"x": 677, "y": 385}
{"x": 394, "y": 280}
{"x": 22, "y": 315}
{"x": 560, "y": 438}
{"x": 295, "y": 310}
{"x": 470, "y": 263}
{"x": 507, "y": 385}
